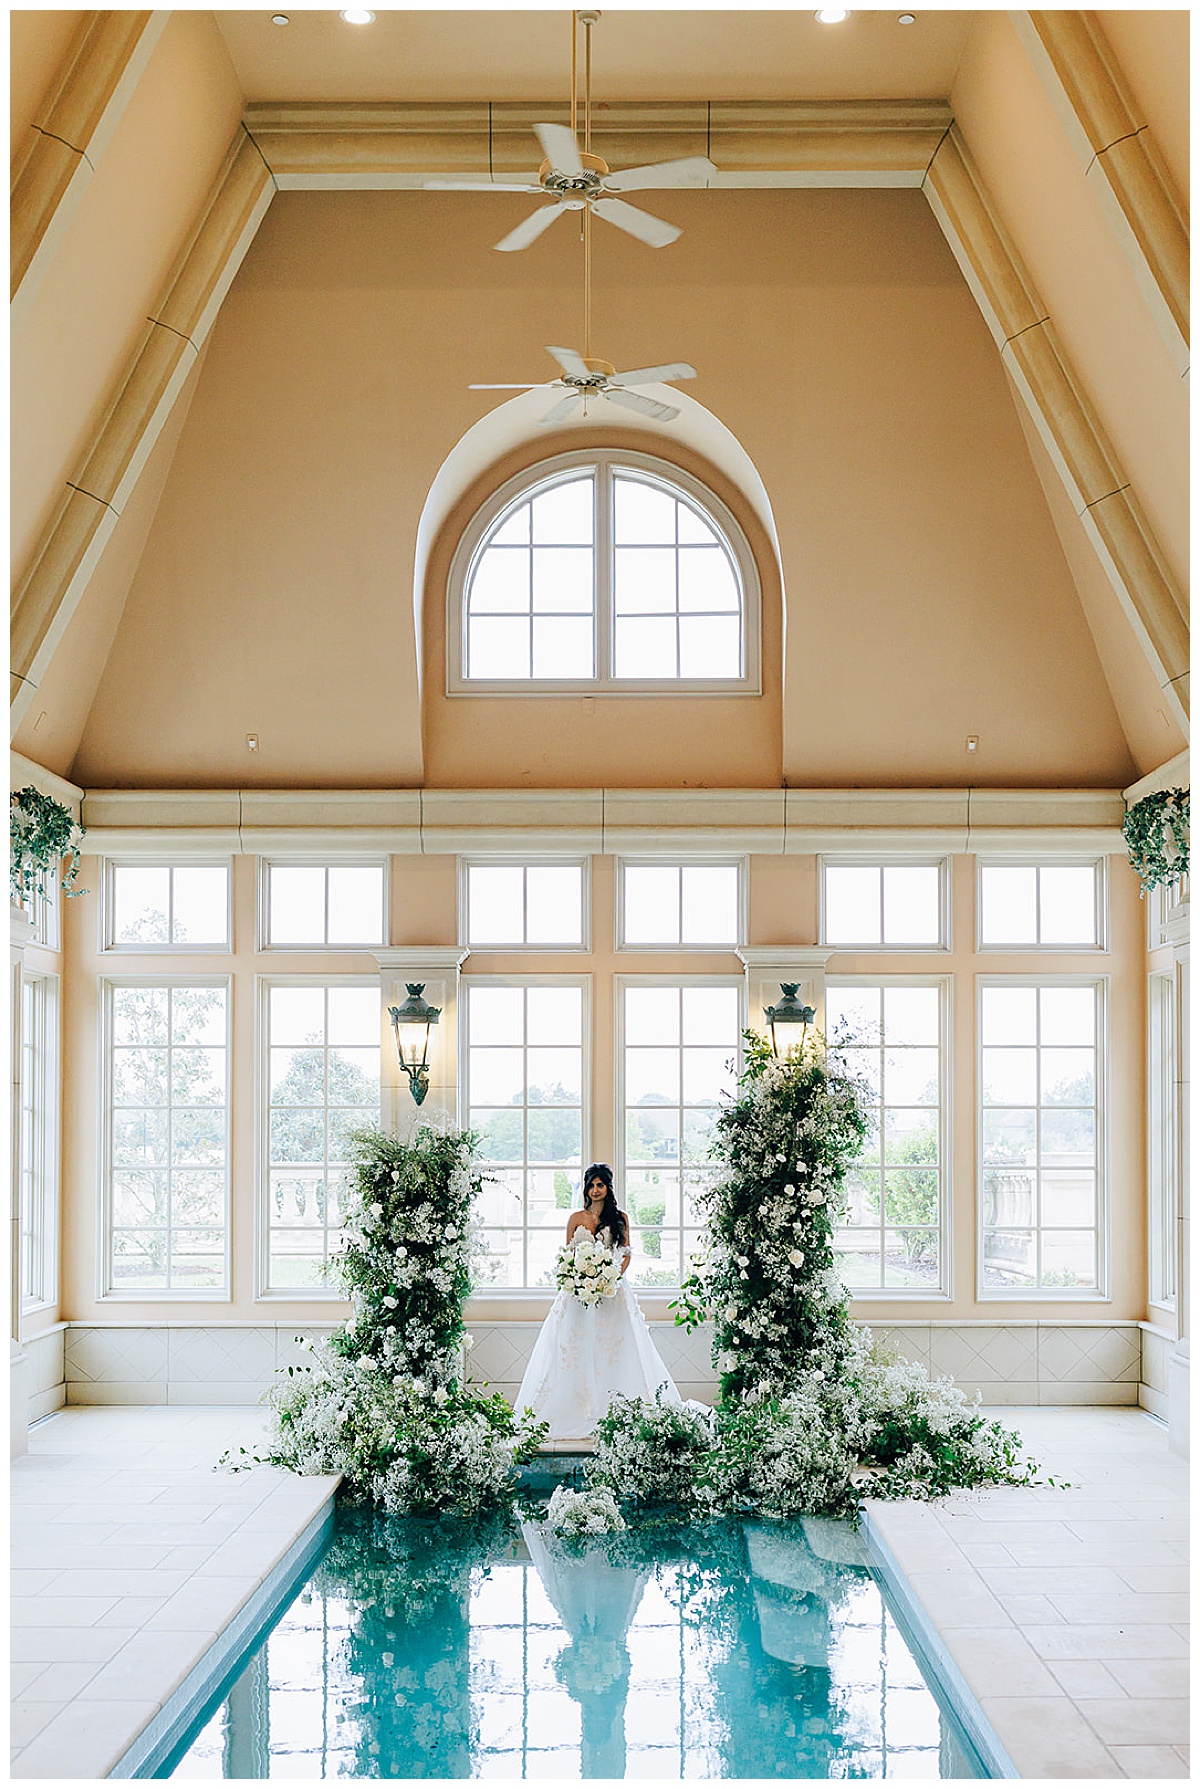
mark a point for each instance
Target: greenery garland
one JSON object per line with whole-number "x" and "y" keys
{"x": 1156, "y": 837}
{"x": 41, "y": 833}
{"x": 383, "y": 1401}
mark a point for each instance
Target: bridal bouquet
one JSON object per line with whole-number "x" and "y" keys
{"x": 587, "y": 1269}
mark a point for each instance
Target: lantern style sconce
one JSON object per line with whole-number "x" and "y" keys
{"x": 411, "y": 1023}
{"x": 788, "y": 1011}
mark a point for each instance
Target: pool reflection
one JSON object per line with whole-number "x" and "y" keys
{"x": 717, "y": 1650}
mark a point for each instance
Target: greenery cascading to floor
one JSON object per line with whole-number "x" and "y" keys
{"x": 806, "y": 1401}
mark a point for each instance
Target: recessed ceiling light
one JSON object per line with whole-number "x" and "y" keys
{"x": 358, "y": 15}
{"x": 831, "y": 15}
{"x": 907, "y": 18}
{"x": 280, "y": 18}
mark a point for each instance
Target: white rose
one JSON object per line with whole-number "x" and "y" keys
{"x": 743, "y": 1260}
{"x": 391, "y": 1329}
{"x": 401, "y": 1251}
{"x": 789, "y": 1189}
{"x": 731, "y": 1311}
{"x": 366, "y": 1363}
{"x": 796, "y": 1257}
{"x": 389, "y": 1301}
{"x": 817, "y": 1198}
{"x": 376, "y": 1210}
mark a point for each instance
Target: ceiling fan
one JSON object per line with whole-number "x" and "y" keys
{"x": 584, "y": 377}
{"x": 573, "y": 179}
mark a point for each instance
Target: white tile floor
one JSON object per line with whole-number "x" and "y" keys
{"x": 1065, "y": 1610}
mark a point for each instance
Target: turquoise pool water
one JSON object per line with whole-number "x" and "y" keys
{"x": 728, "y": 1649}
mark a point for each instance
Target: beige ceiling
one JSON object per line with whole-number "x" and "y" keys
{"x": 637, "y": 55}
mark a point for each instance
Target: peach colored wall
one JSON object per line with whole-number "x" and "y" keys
{"x": 1153, "y": 50}
{"x": 134, "y": 216}
{"x": 783, "y": 908}
{"x": 927, "y": 594}
{"x": 1055, "y": 217}
{"x": 37, "y": 44}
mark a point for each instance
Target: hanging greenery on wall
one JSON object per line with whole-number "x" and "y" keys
{"x": 42, "y": 832}
{"x": 1156, "y": 837}
{"x": 383, "y": 1401}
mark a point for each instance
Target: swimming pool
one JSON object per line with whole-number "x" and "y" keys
{"x": 731, "y": 1649}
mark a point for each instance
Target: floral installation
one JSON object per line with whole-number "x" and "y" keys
{"x": 1156, "y": 833}
{"x": 382, "y": 1401}
{"x": 41, "y": 833}
{"x": 808, "y": 1406}
{"x": 587, "y": 1269}
{"x": 576, "y": 1513}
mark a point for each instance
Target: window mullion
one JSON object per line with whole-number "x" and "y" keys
{"x": 604, "y": 617}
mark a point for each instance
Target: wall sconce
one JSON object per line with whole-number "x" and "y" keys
{"x": 411, "y": 1023}
{"x": 788, "y": 1011}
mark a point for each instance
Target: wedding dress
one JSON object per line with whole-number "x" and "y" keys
{"x": 585, "y": 1354}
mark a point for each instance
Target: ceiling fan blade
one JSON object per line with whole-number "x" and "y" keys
{"x": 654, "y": 375}
{"x": 651, "y": 230}
{"x": 535, "y": 387}
{"x": 480, "y": 186}
{"x": 560, "y": 148}
{"x": 530, "y": 230}
{"x": 571, "y": 362}
{"x": 692, "y": 170}
{"x": 647, "y": 406}
{"x": 563, "y": 408}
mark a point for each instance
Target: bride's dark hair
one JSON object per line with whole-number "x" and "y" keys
{"x": 610, "y": 1218}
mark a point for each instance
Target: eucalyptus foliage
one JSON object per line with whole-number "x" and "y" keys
{"x": 1156, "y": 833}
{"x": 383, "y": 1401}
{"x": 810, "y": 1412}
{"x": 41, "y": 833}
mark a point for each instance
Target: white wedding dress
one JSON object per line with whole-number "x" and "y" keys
{"x": 585, "y": 1354}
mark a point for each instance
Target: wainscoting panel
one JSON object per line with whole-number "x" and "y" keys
{"x": 1157, "y": 1348}
{"x": 45, "y": 1374}
{"x": 232, "y": 1363}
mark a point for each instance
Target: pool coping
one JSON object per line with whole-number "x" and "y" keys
{"x": 159, "y": 1738}
{"x": 962, "y": 1699}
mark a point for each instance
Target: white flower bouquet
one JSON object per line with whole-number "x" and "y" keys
{"x": 593, "y": 1511}
{"x": 587, "y": 1269}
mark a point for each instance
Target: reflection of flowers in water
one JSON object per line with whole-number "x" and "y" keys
{"x": 592, "y": 1666}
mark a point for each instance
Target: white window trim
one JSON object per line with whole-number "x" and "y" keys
{"x": 112, "y": 947}
{"x": 620, "y": 983}
{"x": 545, "y": 472}
{"x": 44, "y": 910}
{"x": 105, "y": 1292}
{"x": 717, "y": 861}
{"x": 1166, "y": 906}
{"x": 482, "y": 860}
{"x": 1101, "y": 1293}
{"x": 1162, "y": 1139}
{"x": 842, "y": 860}
{"x": 1098, "y": 864}
{"x": 262, "y": 943}
{"x": 264, "y": 1292}
{"x": 538, "y": 1294}
{"x": 46, "y": 1143}
{"x": 943, "y": 1291}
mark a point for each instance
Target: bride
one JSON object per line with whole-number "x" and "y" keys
{"x": 585, "y": 1354}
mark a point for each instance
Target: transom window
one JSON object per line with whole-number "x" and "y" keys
{"x": 525, "y": 904}
{"x": 890, "y": 905}
{"x": 153, "y": 906}
{"x": 1059, "y": 905}
{"x": 692, "y": 905}
{"x": 618, "y": 571}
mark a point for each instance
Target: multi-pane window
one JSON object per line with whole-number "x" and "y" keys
{"x": 892, "y": 1037}
{"x": 612, "y": 570}
{"x": 1049, "y": 904}
{"x": 890, "y": 905}
{"x": 43, "y": 908}
{"x": 1163, "y": 1135}
{"x": 1039, "y": 1136}
{"x": 312, "y": 906}
{"x": 38, "y": 1150}
{"x": 671, "y": 904}
{"x": 509, "y": 904}
{"x": 679, "y": 1054}
{"x": 322, "y": 1045}
{"x": 525, "y": 1069}
{"x": 163, "y": 906}
{"x": 167, "y": 1137}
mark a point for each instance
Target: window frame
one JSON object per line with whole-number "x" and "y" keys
{"x": 42, "y": 1163}
{"x": 587, "y": 1073}
{"x": 1166, "y": 911}
{"x": 1100, "y": 898}
{"x": 310, "y": 860}
{"x": 735, "y": 861}
{"x": 482, "y": 860}
{"x": 604, "y": 461}
{"x": 264, "y": 1292}
{"x": 932, "y": 860}
{"x": 1101, "y": 1292}
{"x": 943, "y": 1291}
{"x": 620, "y": 982}
{"x": 1163, "y": 1166}
{"x": 44, "y": 910}
{"x": 105, "y": 1291}
{"x": 113, "y": 947}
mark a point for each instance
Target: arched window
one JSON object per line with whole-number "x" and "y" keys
{"x": 612, "y": 571}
